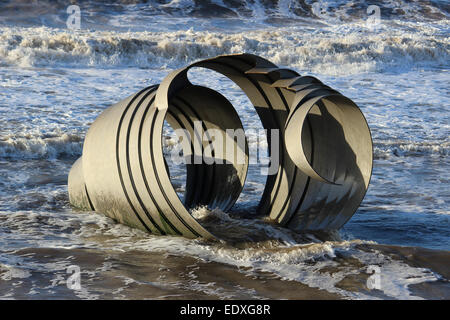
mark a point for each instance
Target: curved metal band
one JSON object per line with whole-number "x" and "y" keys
{"x": 325, "y": 151}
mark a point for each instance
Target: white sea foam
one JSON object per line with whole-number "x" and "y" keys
{"x": 37, "y": 145}
{"x": 55, "y": 82}
{"x": 9, "y": 272}
{"x": 318, "y": 52}
{"x": 301, "y": 263}
{"x": 386, "y": 149}
{"x": 306, "y": 263}
{"x": 297, "y": 262}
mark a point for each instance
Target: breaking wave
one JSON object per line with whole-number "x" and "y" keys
{"x": 58, "y": 145}
{"x": 387, "y": 149}
{"x": 314, "y": 52}
{"x": 38, "y": 145}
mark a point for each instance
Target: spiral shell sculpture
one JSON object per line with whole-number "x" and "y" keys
{"x": 324, "y": 154}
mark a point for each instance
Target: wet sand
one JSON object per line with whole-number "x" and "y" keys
{"x": 149, "y": 275}
{"x": 140, "y": 275}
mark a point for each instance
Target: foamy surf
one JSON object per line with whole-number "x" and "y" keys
{"x": 340, "y": 268}
{"x": 386, "y": 149}
{"x": 58, "y": 145}
{"x": 54, "y": 82}
{"x": 312, "y": 52}
{"x": 36, "y": 145}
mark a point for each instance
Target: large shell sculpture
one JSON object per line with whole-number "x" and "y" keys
{"x": 324, "y": 152}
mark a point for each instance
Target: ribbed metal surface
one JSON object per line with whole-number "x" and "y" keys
{"x": 325, "y": 152}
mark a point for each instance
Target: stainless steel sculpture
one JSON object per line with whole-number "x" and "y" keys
{"x": 325, "y": 154}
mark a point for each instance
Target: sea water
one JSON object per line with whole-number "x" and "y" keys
{"x": 392, "y": 60}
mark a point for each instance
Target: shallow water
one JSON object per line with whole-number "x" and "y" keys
{"x": 55, "y": 81}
